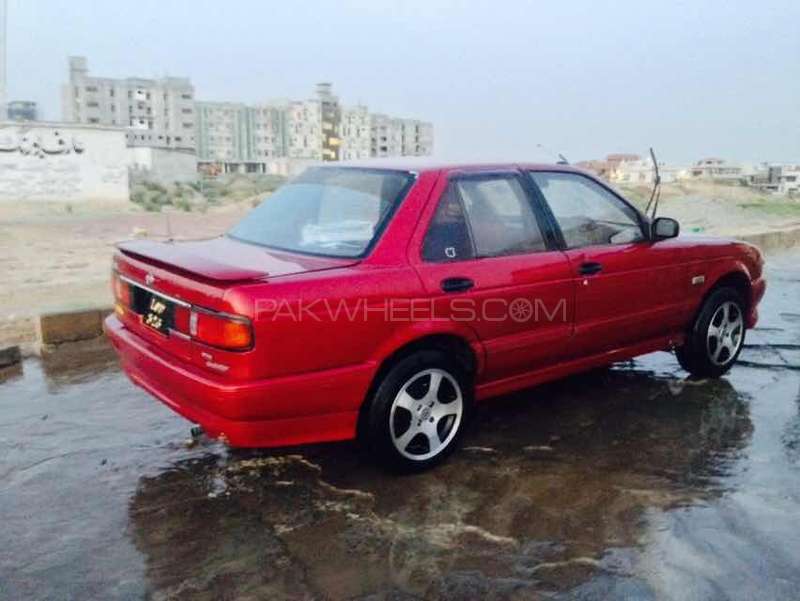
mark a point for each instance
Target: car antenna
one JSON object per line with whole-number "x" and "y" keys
{"x": 562, "y": 160}
{"x": 655, "y": 195}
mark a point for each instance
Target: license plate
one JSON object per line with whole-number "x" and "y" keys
{"x": 159, "y": 314}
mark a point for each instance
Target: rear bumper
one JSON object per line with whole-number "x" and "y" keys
{"x": 262, "y": 413}
{"x": 757, "y": 290}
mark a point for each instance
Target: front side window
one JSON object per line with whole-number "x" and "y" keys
{"x": 326, "y": 211}
{"x": 587, "y": 213}
{"x": 487, "y": 216}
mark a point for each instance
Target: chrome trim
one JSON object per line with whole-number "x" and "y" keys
{"x": 194, "y": 309}
{"x": 228, "y": 316}
{"x": 177, "y": 301}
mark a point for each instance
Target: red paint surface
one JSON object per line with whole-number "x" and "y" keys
{"x": 305, "y": 379}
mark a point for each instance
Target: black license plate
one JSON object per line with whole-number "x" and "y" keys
{"x": 159, "y": 313}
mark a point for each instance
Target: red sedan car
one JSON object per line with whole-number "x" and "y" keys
{"x": 384, "y": 302}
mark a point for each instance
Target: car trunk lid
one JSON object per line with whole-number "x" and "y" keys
{"x": 198, "y": 274}
{"x": 225, "y": 260}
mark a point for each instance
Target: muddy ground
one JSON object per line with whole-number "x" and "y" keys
{"x": 623, "y": 483}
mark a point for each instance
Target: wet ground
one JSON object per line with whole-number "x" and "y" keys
{"x": 624, "y": 483}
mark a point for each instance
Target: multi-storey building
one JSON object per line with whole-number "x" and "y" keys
{"x": 400, "y": 137}
{"x": 387, "y": 136}
{"x": 416, "y": 138}
{"x": 238, "y": 137}
{"x": 330, "y": 121}
{"x": 356, "y": 133}
{"x": 233, "y": 137}
{"x": 304, "y": 130}
{"x": 269, "y": 125}
{"x": 156, "y": 112}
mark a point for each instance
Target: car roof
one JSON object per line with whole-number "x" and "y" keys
{"x": 422, "y": 164}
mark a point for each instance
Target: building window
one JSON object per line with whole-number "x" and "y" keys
{"x": 94, "y": 120}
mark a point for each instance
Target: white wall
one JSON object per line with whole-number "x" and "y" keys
{"x": 62, "y": 162}
{"x": 163, "y": 165}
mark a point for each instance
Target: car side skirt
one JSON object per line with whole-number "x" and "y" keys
{"x": 512, "y": 384}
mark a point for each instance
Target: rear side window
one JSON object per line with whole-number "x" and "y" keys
{"x": 448, "y": 235}
{"x": 482, "y": 217}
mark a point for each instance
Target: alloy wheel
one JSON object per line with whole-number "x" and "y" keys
{"x": 426, "y": 414}
{"x": 725, "y": 333}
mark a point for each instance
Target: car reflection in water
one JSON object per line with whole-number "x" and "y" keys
{"x": 553, "y": 490}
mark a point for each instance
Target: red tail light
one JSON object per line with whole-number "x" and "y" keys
{"x": 222, "y": 331}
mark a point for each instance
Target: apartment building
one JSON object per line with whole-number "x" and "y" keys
{"x": 400, "y": 137}
{"x": 304, "y": 130}
{"x": 156, "y": 112}
{"x": 239, "y": 138}
{"x": 234, "y": 137}
{"x": 356, "y": 133}
{"x": 387, "y": 136}
{"x": 416, "y": 138}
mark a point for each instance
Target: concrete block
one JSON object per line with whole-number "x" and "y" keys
{"x": 774, "y": 240}
{"x": 10, "y": 355}
{"x": 70, "y": 326}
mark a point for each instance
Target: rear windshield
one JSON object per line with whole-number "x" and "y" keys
{"x": 328, "y": 211}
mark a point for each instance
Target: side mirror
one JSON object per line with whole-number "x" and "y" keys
{"x": 664, "y": 227}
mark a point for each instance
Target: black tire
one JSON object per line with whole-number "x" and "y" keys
{"x": 697, "y": 355}
{"x": 415, "y": 373}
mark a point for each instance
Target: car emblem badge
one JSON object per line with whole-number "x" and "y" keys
{"x": 149, "y": 279}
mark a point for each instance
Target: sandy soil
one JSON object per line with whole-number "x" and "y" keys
{"x": 57, "y": 256}
{"x": 721, "y": 210}
{"x": 52, "y": 259}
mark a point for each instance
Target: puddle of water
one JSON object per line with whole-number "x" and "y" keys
{"x": 628, "y": 482}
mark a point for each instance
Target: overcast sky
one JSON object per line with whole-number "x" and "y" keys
{"x": 496, "y": 78}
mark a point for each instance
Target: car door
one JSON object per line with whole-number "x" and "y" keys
{"x": 628, "y": 288}
{"x": 488, "y": 258}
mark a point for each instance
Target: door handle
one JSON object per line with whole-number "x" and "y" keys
{"x": 590, "y": 268}
{"x": 457, "y": 284}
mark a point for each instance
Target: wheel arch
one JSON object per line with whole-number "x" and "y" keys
{"x": 463, "y": 348}
{"x": 735, "y": 277}
{"x": 738, "y": 279}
